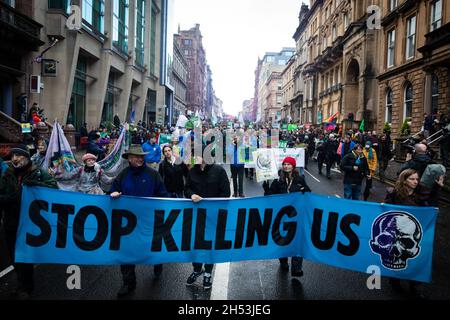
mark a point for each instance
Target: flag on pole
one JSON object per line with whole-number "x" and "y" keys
{"x": 361, "y": 127}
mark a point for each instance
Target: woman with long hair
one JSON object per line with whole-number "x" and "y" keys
{"x": 289, "y": 181}
{"x": 407, "y": 193}
{"x": 172, "y": 173}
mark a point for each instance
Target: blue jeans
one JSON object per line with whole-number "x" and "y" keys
{"x": 352, "y": 191}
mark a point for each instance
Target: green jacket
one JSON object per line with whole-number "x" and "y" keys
{"x": 11, "y": 191}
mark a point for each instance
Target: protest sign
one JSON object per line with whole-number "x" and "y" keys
{"x": 73, "y": 228}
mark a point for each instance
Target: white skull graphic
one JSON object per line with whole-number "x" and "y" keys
{"x": 396, "y": 237}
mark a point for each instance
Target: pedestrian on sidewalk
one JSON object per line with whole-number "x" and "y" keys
{"x": 355, "y": 168}
{"x": 205, "y": 181}
{"x": 140, "y": 181}
{"x": 289, "y": 181}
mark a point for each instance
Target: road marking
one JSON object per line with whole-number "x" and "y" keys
{"x": 220, "y": 282}
{"x": 337, "y": 196}
{"x": 6, "y": 271}
{"x": 312, "y": 175}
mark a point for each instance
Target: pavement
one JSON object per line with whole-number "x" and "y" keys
{"x": 246, "y": 280}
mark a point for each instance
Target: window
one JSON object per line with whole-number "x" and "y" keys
{"x": 186, "y": 52}
{"x": 77, "y": 107}
{"x": 407, "y": 113}
{"x": 389, "y": 99}
{"x": 187, "y": 42}
{"x": 120, "y": 25}
{"x": 11, "y": 3}
{"x": 140, "y": 31}
{"x": 334, "y": 32}
{"x": 59, "y": 4}
{"x": 93, "y": 14}
{"x": 436, "y": 15}
{"x": 410, "y": 37}
{"x": 434, "y": 92}
{"x": 281, "y": 62}
{"x": 153, "y": 38}
{"x": 391, "y": 48}
{"x": 279, "y": 99}
{"x": 346, "y": 21}
{"x": 392, "y": 5}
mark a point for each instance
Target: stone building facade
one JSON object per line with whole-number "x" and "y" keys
{"x": 109, "y": 64}
{"x": 414, "y": 70}
{"x": 191, "y": 45}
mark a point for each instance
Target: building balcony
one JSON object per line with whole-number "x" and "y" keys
{"x": 19, "y": 29}
{"x": 436, "y": 39}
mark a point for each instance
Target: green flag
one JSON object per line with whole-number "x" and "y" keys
{"x": 361, "y": 127}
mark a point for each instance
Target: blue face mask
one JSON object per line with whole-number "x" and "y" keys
{"x": 358, "y": 161}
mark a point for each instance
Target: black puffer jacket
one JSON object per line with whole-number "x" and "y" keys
{"x": 212, "y": 182}
{"x": 280, "y": 186}
{"x": 418, "y": 162}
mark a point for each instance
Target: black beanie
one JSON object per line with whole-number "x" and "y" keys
{"x": 21, "y": 150}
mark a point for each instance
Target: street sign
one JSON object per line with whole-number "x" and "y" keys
{"x": 26, "y": 127}
{"x": 49, "y": 68}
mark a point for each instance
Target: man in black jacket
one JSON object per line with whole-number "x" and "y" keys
{"x": 355, "y": 168}
{"x": 419, "y": 161}
{"x": 205, "y": 181}
{"x": 330, "y": 148}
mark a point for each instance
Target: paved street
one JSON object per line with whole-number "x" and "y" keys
{"x": 255, "y": 280}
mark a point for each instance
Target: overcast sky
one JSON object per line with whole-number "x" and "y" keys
{"x": 235, "y": 33}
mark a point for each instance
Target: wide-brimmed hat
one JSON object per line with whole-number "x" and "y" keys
{"x": 135, "y": 149}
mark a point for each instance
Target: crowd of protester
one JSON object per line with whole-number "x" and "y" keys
{"x": 360, "y": 155}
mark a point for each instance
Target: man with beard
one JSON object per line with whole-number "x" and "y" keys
{"x": 21, "y": 171}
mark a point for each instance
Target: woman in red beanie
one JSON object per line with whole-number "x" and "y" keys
{"x": 289, "y": 181}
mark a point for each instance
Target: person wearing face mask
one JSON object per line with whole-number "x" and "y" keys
{"x": 21, "y": 171}
{"x": 372, "y": 161}
{"x": 140, "y": 181}
{"x": 355, "y": 168}
{"x": 39, "y": 157}
{"x": 289, "y": 181}
{"x": 205, "y": 181}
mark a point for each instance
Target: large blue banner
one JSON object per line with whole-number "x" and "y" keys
{"x": 72, "y": 228}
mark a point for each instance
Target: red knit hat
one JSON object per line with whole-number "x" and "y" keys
{"x": 290, "y": 160}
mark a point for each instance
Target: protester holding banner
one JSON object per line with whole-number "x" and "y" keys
{"x": 140, "y": 181}
{"x": 90, "y": 175}
{"x": 355, "y": 169}
{"x": 173, "y": 174}
{"x": 289, "y": 181}
{"x": 406, "y": 192}
{"x": 153, "y": 150}
{"x": 205, "y": 181}
{"x": 21, "y": 171}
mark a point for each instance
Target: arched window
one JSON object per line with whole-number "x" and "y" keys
{"x": 407, "y": 113}
{"x": 434, "y": 92}
{"x": 389, "y": 99}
